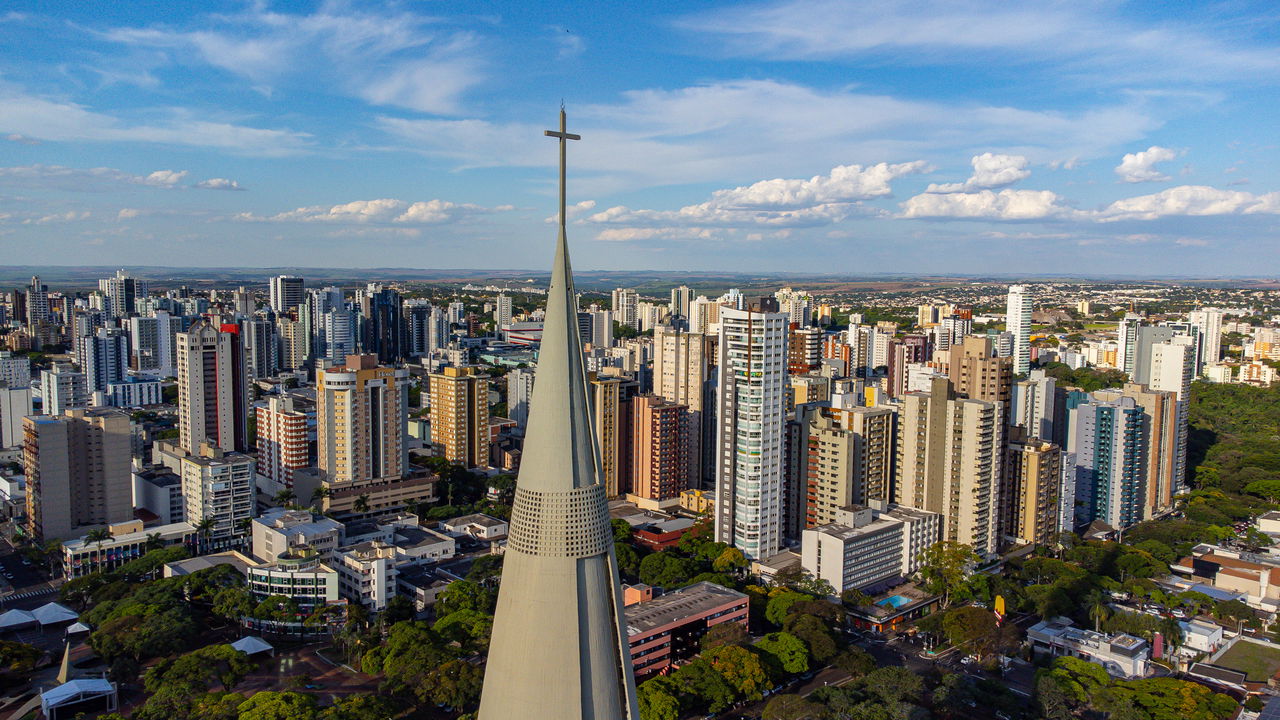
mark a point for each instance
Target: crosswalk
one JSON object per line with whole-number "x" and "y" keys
{"x": 28, "y": 594}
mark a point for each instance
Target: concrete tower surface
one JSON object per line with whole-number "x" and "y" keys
{"x": 559, "y": 649}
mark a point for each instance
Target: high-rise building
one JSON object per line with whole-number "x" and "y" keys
{"x": 460, "y": 415}
{"x": 626, "y": 306}
{"x": 1127, "y": 343}
{"x": 63, "y": 388}
{"x": 218, "y": 490}
{"x": 286, "y": 293}
{"x": 153, "y": 344}
{"x": 337, "y": 335}
{"x": 560, "y": 596}
{"x": 519, "y": 393}
{"x": 295, "y": 342}
{"x": 122, "y": 293}
{"x": 1110, "y": 462}
{"x": 37, "y": 300}
{"x": 282, "y": 441}
{"x": 804, "y": 349}
{"x": 104, "y": 358}
{"x": 869, "y": 546}
{"x": 977, "y": 374}
{"x": 502, "y": 311}
{"x": 1210, "y": 323}
{"x": 611, "y": 422}
{"x": 15, "y": 404}
{"x": 680, "y": 299}
{"x": 78, "y": 472}
{"x": 212, "y": 390}
{"x": 750, "y": 416}
{"x": 1036, "y": 406}
{"x": 949, "y": 462}
{"x": 15, "y": 370}
{"x": 660, "y": 447}
{"x": 1018, "y": 322}
{"x": 261, "y": 347}
{"x": 1163, "y": 433}
{"x": 384, "y": 328}
{"x": 361, "y": 412}
{"x": 680, "y": 375}
{"x": 1033, "y": 476}
{"x": 1172, "y": 368}
{"x": 846, "y": 459}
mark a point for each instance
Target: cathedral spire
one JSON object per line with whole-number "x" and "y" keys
{"x": 559, "y": 649}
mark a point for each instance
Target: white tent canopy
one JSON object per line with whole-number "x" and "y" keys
{"x": 252, "y": 645}
{"x": 14, "y": 619}
{"x": 78, "y": 628}
{"x": 53, "y": 613}
{"x": 77, "y": 691}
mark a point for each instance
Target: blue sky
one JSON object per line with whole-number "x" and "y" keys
{"x": 875, "y": 136}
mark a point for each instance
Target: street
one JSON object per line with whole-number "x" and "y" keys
{"x": 23, "y": 585}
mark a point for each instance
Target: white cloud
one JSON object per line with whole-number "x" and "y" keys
{"x": 1140, "y": 166}
{"x": 218, "y": 184}
{"x": 39, "y": 118}
{"x": 990, "y": 170}
{"x": 68, "y": 216}
{"x": 165, "y": 178}
{"x": 758, "y": 128}
{"x": 573, "y": 211}
{"x": 383, "y": 210}
{"x": 128, "y": 213}
{"x": 1190, "y": 200}
{"x": 1088, "y": 41}
{"x": 386, "y": 58}
{"x": 21, "y": 139}
{"x": 820, "y": 200}
{"x": 630, "y": 234}
{"x": 988, "y": 205}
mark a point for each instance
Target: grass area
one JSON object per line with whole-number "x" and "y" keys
{"x": 1100, "y": 326}
{"x": 1257, "y": 662}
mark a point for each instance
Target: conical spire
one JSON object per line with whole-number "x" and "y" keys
{"x": 64, "y": 670}
{"x": 559, "y": 649}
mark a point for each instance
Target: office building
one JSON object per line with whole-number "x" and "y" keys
{"x": 666, "y": 631}
{"x": 1018, "y": 323}
{"x": 337, "y": 335}
{"x": 63, "y": 388}
{"x": 1033, "y": 478}
{"x": 130, "y": 392}
{"x": 864, "y": 547}
{"x": 361, "y": 410}
{"x": 750, "y": 420}
{"x": 128, "y": 540}
{"x": 460, "y": 415}
{"x": 660, "y": 452}
{"x": 282, "y": 441}
{"x": 212, "y": 390}
{"x": 1123, "y": 656}
{"x": 286, "y": 293}
{"x": 260, "y": 345}
{"x": 279, "y": 531}
{"x": 299, "y": 575}
{"x": 77, "y": 467}
{"x": 949, "y": 462}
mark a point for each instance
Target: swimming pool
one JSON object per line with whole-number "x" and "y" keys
{"x": 894, "y": 602}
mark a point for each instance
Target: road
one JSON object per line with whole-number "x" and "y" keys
{"x": 30, "y": 587}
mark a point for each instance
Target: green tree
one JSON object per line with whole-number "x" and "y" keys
{"x": 970, "y": 628}
{"x": 268, "y": 705}
{"x": 943, "y": 567}
{"x": 786, "y": 650}
{"x": 706, "y": 687}
{"x": 725, "y": 633}
{"x": 780, "y": 604}
{"x": 455, "y": 684}
{"x": 1268, "y": 489}
{"x": 465, "y": 595}
{"x": 730, "y": 560}
{"x": 659, "y": 699}
{"x": 814, "y": 633}
{"x": 359, "y": 707}
{"x": 471, "y": 628}
{"x": 740, "y": 668}
{"x": 622, "y": 530}
{"x": 789, "y": 706}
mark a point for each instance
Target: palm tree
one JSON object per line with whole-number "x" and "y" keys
{"x": 362, "y": 504}
{"x": 320, "y": 493}
{"x": 284, "y": 496}
{"x": 204, "y": 529}
{"x": 97, "y": 536}
{"x": 1098, "y": 610}
{"x": 154, "y": 542}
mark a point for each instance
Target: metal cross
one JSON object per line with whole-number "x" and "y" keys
{"x": 563, "y": 136}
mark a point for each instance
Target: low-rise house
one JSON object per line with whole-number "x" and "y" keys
{"x": 478, "y": 526}
{"x": 1199, "y": 636}
{"x": 1121, "y": 655}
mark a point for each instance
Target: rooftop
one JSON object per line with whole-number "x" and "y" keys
{"x": 665, "y": 609}
{"x": 174, "y": 530}
{"x": 476, "y": 519}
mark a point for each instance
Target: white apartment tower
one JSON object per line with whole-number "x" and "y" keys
{"x": 751, "y": 405}
{"x": 626, "y": 305}
{"x": 1018, "y": 322}
{"x": 286, "y": 293}
{"x": 1210, "y": 324}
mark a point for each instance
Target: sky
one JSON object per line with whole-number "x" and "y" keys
{"x": 1135, "y": 138}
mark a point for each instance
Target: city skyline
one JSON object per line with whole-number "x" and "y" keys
{"x": 1009, "y": 140}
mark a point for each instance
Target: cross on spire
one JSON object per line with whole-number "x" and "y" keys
{"x": 563, "y": 136}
